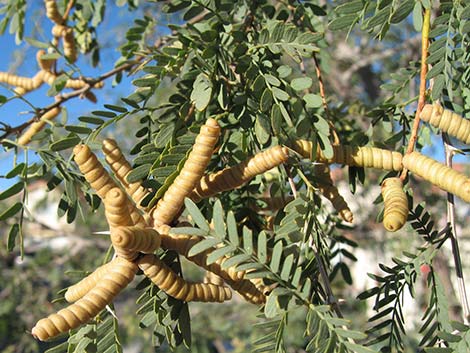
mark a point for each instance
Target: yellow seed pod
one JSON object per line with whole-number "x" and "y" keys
{"x": 116, "y": 208}
{"x": 70, "y": 51}
{"x": 172, "y": 201}
{"x": 121, "y": 169}
{"x": 327, "y": 188}
{"x": 448, "y": 121}
{"x": 79, "y": 289}
{"x": 172, "y": 284}
{"x": 117, "y": 278}
{"x": 49, "y": 78}
{"x": 52, "y": 12}
{"x": 93, "y": 171}
{"x": 129, "y": 241}
{"x": 395, "y": 204}
{"x": 438, "y": 174}
{"x": 44, "y": 64}
{"x": 367, "y": 157}
{"x": 234, "y": 177}
{"x": 37, "y": 126}
{"x": 210, "y": 277}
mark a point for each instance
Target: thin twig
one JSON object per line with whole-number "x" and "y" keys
{"x": 422, "y": 85}
{"x": 450, "y": 151}
{"x": 67, "y": 10}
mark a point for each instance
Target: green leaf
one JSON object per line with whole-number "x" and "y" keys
{"x": 350, "y": 7}
{"x": 358, "y": 348}
{"x": 276, "y": 257}
{"x": 12, "y": 234}
{"x": 202, "y": 91}
{"x": 78, "y": 129}
{"x": 266, "y": 100}
{"x": 104, "y": 113}
{"x": 36, "y": 43}
{"x": 11, "y": 211}
{"x": 17, "y": 170}
{"x": 219, "y": 253}
{"x": 235, "y": 260}
{"x": 12, "y": 190}
{"x": 165, "y": 135}
{"x": 301, "y": 83}
{"x": 280, "y": 94}
{"x": 116, "y": 108}
{"x": 218, "y": 219}
{"x": 287, "y": 268}
{"x": 247, "y": 240}
{"x": 188, "y": 231}
{"x": 196, "y": 214}
{"x": 202, "y": 246}
{"x": 91, "y": 120}
{"x": 138, "y": 173}
{"x": 342, "y": 22}
{"x": 418, "y": 17}
{"x": 262, "y": 247}
{"x": 270, "y": 309}
{"x": 232, "y": 229}
{"x": 312, "y": 100}
{"x": 65, "y": 143}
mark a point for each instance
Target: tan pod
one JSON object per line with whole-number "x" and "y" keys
{"x": 172, "y": 284}
{"x": 44, "y": 64}
{"x": 448, "y": 121}
{"x": 116, "y": 208}
{"x": 121, "y": 169}
{"x": 129, "y": 241}
{"x": 438, "y": 174}
{"x": 330, "y": 191}
{"x": 82, "y": 287}
{"x": 93, "y": 171}
{"x": 395, "y": 204}
{"x": 52, "y": 12}
{"x": 37, "y": 126}
{"x": 172, "y": 201}
{"x": 367, "y": 157}
{"x": 117, "y": 278}
{"x": 233, "y": 177}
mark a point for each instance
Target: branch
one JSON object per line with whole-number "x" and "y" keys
{"x": 422, "y": 85}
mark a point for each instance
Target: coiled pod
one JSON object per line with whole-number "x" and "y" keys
{"x": 182, "y": 244}
{"x": 52, "y": 12}
{"x": 212, "y": 278}
{"x": 117, "y": 278}
{"x": 26, "y": 83}
{"x": 448, "y": 121}
{"x": 367, "y": 157}
{"x": 234, "y": 177}
{"x": 93, "y": 171}
{"x": 330, "y": 191}
{"x": 73, "y": 83}
{"x": 37, "y": 126}
{"x": 116, "y": 208}
{"x": 192, "y": 171}
{"x": 68, "y": 41}
{"x": 438, "y": 174}
{"x": 172, "y": 284}
{"x": 129, "y": 241}
{"x": 44, "y": 64}
{"x": 395, "y": 204}
{"x": 121, "y": 169}
{"x": 79, "y": 289}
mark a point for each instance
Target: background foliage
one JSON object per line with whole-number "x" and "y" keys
{"x": 254, "y": 66}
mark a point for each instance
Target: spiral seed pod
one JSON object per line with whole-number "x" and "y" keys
{"x": 37, "y": 126}
{"x": 330, "y": 191}
{"x": 193, "y": 169}
{"x": 52, "y": 12}
{"x": 234, "y": 177}
{"x": 448, "y": 121}
{"x": 395, "y": 204}
{"x": 116, "y": 208}
{"x": 93, "y": 171}
{"x": 182, "y": 244}
{"x": 367, "y": 157}
{"x": 49, "y": 78}
{"x": 172, "y": 284}
{"x": 28, "y": 84}
{"x": 129, "y": 241}
{"x": 117, "y": 278}
{"x": 438, "y": 174}
{"x": 44, "y": 64}
{"x": 121, "y": 169}
{"x": 79, "y": 289}
{"x": 212, "y": 278}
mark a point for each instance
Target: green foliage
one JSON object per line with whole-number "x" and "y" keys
{"x": 252, "y": 66}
